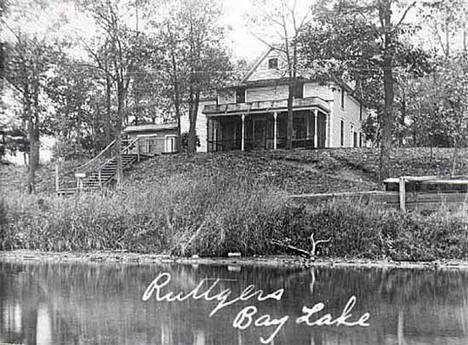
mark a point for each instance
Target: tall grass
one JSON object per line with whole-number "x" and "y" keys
{"x": 211, "y": 216}
{"x": 184, "y": 215}
{"x": 358, "y": 230}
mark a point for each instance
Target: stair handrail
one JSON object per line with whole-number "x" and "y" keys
{"x": 85, "y": 166}
{"x": 122, "y": 151}
{"x": 129, "y": 146}
{"x": 99, "y": 169}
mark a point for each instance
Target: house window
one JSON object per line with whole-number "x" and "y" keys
{"x": 360, "y": 111}
{"x": 360, "y": 139}
{"x": 170, "y": 143}
{"x": 240, "y": 95}
{"x": 355, "y": 139}
{"x": 342, "y": 133}
{"x": 273, "y": 63}
{"x": 342, "y": 97}
{"x": 299, "y": 89}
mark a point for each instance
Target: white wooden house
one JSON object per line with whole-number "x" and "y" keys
{"x": 253, "y": 113}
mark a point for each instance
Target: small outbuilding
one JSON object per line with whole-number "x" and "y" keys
{"x": 154, "y": 138}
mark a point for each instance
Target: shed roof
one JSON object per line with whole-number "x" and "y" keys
{"x": 151, "y": 127}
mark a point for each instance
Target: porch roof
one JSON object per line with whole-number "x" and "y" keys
{"x": 265, "y": 106}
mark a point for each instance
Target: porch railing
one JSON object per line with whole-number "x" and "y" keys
{"x": 250, "y": 144}
{"x": 280, "y": 105}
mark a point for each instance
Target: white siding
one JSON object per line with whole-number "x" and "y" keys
{"x": 263, "y": 72}
{"x": 349, "y": 114}
{"x": 200, "y": 127}
{"x": 269, "y": 93}
{"x": 317, "y": 90}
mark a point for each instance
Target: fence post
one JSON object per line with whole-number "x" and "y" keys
{"x": 100, "y": 178}
{"x": 402, "y": 193}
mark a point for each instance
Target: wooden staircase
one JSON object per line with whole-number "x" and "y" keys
{"x": 103, "y": 177}
{"x": 101, "y": 171}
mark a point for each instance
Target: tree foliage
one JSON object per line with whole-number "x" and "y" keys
{"x": 365, "y": 42}
{"x": 281, "y": 23}
{"x": 30, "y": 60}
{"x": 194, "y": 62}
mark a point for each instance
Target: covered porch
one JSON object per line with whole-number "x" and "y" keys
{"x": 247, "y": 126}
{"x": 262, "y": 125}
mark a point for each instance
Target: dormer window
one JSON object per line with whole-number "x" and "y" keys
{"x": 273, "y": 63}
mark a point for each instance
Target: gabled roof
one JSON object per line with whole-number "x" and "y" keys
{"x": 245, "y": 82}
{"x": 256, "y": 64}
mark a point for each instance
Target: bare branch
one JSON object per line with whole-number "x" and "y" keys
{"x": 404, "y": 14}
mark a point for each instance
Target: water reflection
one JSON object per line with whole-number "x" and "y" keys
{"x": 101, "y": 304}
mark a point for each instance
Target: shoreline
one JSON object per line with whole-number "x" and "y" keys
{"x": 275, "y": 261}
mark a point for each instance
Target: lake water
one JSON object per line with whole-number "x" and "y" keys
{"x": 49, "y": 303}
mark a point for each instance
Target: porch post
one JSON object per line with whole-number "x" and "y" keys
{"x": 316, "y": 129}
{"x": 275, "y": 131}
{"x": 243, "y": 132}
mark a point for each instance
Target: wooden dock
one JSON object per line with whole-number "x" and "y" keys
{"x": 406, "y": 193}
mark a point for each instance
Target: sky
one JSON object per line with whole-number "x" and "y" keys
{"x": 241, "y": 39}
{"x": 240, "y": 33}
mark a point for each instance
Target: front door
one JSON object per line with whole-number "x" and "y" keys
{"x": 259, "y": 133}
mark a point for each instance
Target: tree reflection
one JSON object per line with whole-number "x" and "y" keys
{"x": 43, "y": 303}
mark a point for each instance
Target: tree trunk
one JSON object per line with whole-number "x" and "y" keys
{"x": 289, "y": 132}
{"x": 32, "y": 115}
{"x": 108, "y": 125}
{"x": 193, "y": 112}
{"x": 176, "y": 100}
{"x": 387, "y": 116}
{"x": 292, "y": 62}
{"x": 402, "y": 119}
{"x": 118, "y": 130}
{"x": 387, "y": 125}
{"x": 33, "y": 157}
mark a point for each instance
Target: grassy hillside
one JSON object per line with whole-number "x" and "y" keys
{"x": 13, "y": 177}
{"x": 212, "y": 204}
{"x": 263, "y": 167}
{"x": 296, "y": 171}
{"x": 303, "y": 171}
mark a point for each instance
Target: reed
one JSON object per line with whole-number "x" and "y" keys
{"x": 206, "y": 216}
{"x": 211, "y": 216}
